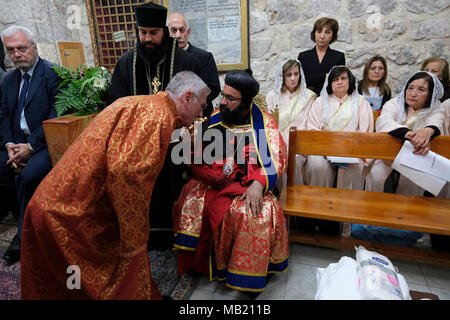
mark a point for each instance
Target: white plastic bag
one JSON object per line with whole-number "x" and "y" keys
{"x": 339, "y": 281}
{"x": 379, "y": 279}
{"x": 371, "y": 276}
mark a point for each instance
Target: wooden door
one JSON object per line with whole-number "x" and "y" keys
{"x": 72, "y": 54}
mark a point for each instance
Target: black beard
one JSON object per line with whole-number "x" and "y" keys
{"x": 152, "y": 55}
{"x": 237, "y": 116}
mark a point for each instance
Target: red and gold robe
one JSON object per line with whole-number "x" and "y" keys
{"x": 213, "y": 230}
{"x": 92, "y": 209}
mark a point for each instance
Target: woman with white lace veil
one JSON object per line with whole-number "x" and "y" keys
{"x": 339, "y": 108}
{"x": 416, "y": 115}
{"x": 292, "y": 100}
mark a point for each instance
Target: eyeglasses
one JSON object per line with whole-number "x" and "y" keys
{"x": 21, "y": 49}
{"x": 203, "y": 105}
{"x": 228, "y": 97}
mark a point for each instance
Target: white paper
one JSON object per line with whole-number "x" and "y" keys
{"x": 424, "y": 180}
{"x": 215, "y": 27}
{"x": 342, "y": 160}
{"x": 431, "y": 163}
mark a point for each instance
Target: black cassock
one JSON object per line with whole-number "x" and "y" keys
{"x": 316, "y": 71}
{"x": 170, "y": 181}
{"x": 122, "y": 79}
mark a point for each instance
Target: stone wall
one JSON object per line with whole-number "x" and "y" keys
{"x": 404, "y": 31}
{"x": 51, "y": 21}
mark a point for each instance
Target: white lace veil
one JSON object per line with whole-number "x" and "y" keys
{"x": 326, "y": 109}
{"x": 279, "y": 77}
{"x": 435, "y": 105}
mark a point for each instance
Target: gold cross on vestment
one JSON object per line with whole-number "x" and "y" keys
{"x": 155, "y": 84}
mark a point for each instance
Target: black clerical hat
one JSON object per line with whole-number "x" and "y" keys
{"x": 150, "y": 15}
{"x": 244, "y": 82}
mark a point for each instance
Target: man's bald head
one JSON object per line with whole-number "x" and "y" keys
{"x": 179, "y": 29}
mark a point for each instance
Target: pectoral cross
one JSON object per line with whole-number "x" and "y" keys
{"x": 155, "y": 84}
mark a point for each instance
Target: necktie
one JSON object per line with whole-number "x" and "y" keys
{"x": 21, "y": 104}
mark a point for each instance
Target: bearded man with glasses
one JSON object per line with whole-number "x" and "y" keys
{"x": 28, "y": 99}
{"x": 228, "y": 223}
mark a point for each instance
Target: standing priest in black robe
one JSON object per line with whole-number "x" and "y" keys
{"x": 144, "y": 70}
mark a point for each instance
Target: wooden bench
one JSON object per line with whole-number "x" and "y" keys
{"x": 416, "y": 213}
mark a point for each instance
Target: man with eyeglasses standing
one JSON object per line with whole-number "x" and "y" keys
{"x": 28, "y": 99}
{"x": 228, "y": 223}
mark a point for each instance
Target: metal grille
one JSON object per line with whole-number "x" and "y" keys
{"x": 114, "y": 25}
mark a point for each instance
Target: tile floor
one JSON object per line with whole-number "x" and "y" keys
{"x": 299, "y": 282}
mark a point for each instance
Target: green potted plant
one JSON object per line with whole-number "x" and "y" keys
{"x": 83, "y": 91}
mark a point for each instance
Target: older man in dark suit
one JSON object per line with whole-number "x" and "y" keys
{"x": 28, "y": 99}
{"x": 179, "y": 29}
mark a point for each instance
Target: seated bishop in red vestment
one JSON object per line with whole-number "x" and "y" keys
{"x": 227, "y": 221}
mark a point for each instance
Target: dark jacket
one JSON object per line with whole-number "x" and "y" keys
{"x": 2, "y": 78}
{"x": 39, "y": 104}
{"x": 314, "y": 71}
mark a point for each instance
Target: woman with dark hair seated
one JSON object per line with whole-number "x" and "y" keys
{"x": 415, "y": 115}
{"x": 318, "y": 61}
{"x": 339, "y": 108}
{"x": 373, "y": 85}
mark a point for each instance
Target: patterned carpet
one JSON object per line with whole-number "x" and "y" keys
{"x": 163, "y": 265}
{"x": 9, "y": 276}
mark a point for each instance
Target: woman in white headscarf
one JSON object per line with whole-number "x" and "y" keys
{"x": 416, "y": 115}
{"x": 339, "y": 108}
{"x": 292, "y": 100}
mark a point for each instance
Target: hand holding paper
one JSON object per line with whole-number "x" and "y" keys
{"x": 429, "y": 171}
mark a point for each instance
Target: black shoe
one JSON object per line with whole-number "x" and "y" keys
{"x": 252, "y": 295}
{"x": 195, "y": 273}
{"x": 12, "y": 255}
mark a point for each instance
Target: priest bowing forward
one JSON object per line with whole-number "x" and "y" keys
{"x": 91, "y": 211}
